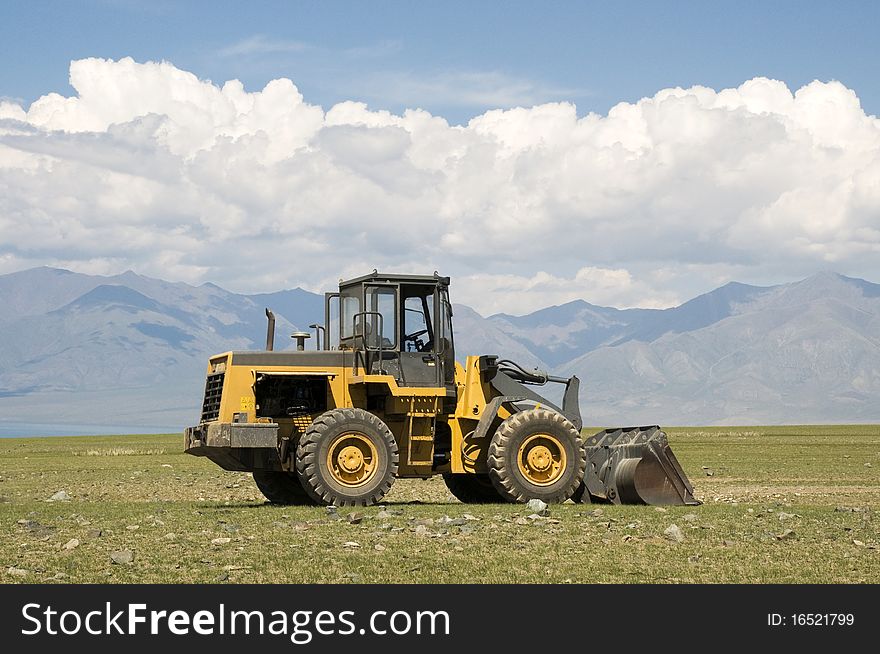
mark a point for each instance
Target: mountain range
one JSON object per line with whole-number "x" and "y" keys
{"x": 87, "y": 353}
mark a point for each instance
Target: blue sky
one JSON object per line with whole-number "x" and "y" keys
{"x": 749, "y": 171}
{"x": 455, "y": 59}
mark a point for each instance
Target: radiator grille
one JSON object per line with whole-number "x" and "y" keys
{"x": 213, "y": 393}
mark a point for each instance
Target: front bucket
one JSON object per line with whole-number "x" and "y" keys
{"x": 634, "y": 465}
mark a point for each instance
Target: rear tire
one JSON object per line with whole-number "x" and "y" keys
{"x": 472, "y": 488}
{"x": 347, "y": 457}
{"x": 281, "y": 487}
{"x": 536, "y": 454}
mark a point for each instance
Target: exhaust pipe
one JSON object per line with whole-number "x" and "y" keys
{"x": 270, "y": 331}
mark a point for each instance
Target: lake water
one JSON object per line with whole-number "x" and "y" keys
{"x": 30, "y": 430}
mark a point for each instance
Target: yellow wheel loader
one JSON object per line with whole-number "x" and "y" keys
{"x": 383, "y": 397}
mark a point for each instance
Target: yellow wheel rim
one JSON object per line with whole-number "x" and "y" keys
{"x": 541, "y": 459}
{"x": 352, "y": 459}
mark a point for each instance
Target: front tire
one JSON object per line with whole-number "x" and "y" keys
{"x": 281, "y": 487}
{"x": 536, "y": 454}
{"x": 347, "y": 457}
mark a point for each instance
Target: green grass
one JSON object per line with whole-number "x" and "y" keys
{"x": 179, "y": 504}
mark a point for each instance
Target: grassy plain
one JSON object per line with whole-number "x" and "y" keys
{"x": 781, "y": 505}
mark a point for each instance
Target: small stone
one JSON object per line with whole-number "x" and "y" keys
{"x": 472, "y": 518}
{"x": 520, "y": 521}
{"x": 379, "y": 547}
{"x": 94, "y": 533}
{"x": 868, "y": 465}
{"x": 224, "y": 576}
{"x": 856, "y": 541}
{"x": 452, "y": 522}
{"x": 673, "y": 533}
{"x": 421, "y": 530}
{"x": 426, "y": 522}
{"x": 537, "y": 506}
{"x": 167, "y": 465}
{"x": 122, "y": 556}
{"x": 220, "y": 541}
{"x": 351, "y": 545}
{"x": 384, "y": 515}
{"x": 466, "y": 530}
{"x": 170, "y": 536}
{"x": 330, "y": 510}
{"x": 58, "y": 575}
{"x": 133, "y": 527}
{"x": 727, "y": 543}
{"x": 690, "y": 517}
{"x": 782, "y": 515}
{"x": 355, "y": 518}
{"x": 60, "y": 496}
{"x": 596, "y": 513}
{"x": 788, "y": 533}
{"x": 12, "y": 571}
{"x": 658, "y": 509}
{"x": 72, "y": 544}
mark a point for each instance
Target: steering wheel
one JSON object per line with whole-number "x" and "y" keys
{"x": 414, "y": 337}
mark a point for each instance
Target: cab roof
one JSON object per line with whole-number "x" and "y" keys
{"x": 395, "y": 278}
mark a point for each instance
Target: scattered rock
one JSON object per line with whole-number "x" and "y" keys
{"x": 301, "y": 526}
{"x": 94, "y": 533}
{"x": 133, "y": 527}
{"x": 16, "y": 572}
{"x": 220, "y": 541}
{"x": 466, "y": 530}
{"x": 72, "y": 544}
{"x": 351, "y": 545}
{"x": 355, "y": 518}
{"x": 452, "y": 522}
{"x": 472, "y": 518}
{"x": 673, "y": 533}
{"x": 57, "y": 576}
{"x": 427, "y": 522}
{"x": 520, "y": 521}
{"x": 785, "y": 516}
{"x": 856, "y": 541}
{"x": 353, "y": 577}
{"x": 122, "y": 556}
{"x": 596, "y": 513}
{"x": 330, "y": 510}
{"x": 60, "y": 496}
{"x": 384, "y": 515}
{"x": 727, "y": 543}
{"x": 868, "y": 465}
{"x": 170, "y": 536}
{"x": 379, "y": 547}
{"x": 788, "y": 533}
{"x": 690, "y": 517}
{"x": 223, "y": 576}
{"x": 539, "y": 507}
{"x": 421, "y": 530}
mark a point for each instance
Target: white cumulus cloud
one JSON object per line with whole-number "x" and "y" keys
{"x": 148, "y": 167}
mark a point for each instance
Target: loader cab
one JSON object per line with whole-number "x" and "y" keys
{"x": 400, "y": 325}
